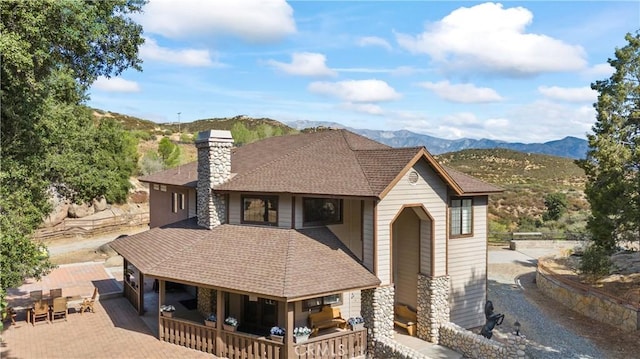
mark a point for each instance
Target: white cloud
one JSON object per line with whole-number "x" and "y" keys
{"x": 367, "y": 108}
{"x": 251, "y": 20}
{"x": 600, "y": 71}
{"x": 188, "y": 57}
{"x": 462, "y": 93}
{"x": 305, "y": 64}
{"x": 356, "y": 90}
{"x": 374, "y": 41}
{"x": 488, "y": 38}
{"x": 569, "y": 94}
{"x": 115, "y": 84}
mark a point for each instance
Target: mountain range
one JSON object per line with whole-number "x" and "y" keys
{"x": 570, "y": 147}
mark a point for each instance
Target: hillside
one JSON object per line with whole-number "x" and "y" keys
{"x": 526, "y": 177}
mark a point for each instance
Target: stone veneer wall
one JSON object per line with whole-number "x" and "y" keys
{"x": 214, "y": 167}
{"x": 433, "y": 306}
{"x": 473, "y": 345}
{"x": 592, "y": 304}
{"x": 207, "y": 301}
{"x": 377, "y": 311}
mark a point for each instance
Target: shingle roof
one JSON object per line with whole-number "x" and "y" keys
{"x": 335, "y": 162}
{"x": 272, "y": 262}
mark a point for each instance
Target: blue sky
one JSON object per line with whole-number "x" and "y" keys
{"x": 513, "y": 71}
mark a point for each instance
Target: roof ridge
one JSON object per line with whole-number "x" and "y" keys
{"x": 287, "y": 261}
{"x": 311, "y": 143}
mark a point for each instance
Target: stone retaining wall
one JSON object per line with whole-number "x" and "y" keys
{"x": 590, "y": 303}
{"x": 389, "y": 348}
{"x": 473, "y": 345}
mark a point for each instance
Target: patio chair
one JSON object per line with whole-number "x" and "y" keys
{"x": 36, "y": 295}
{"x": 55, "y": 293}
{"x": 59, "y": 308}
{"x": 40, "y": 311}
{"x": 87, "y": 303}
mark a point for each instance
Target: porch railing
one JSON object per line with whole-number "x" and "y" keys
{"x": 239, "y": 345}
{"x": 188, "y": 334}
{"x": 349, "y": 344}
{"x": 233, "y": 345}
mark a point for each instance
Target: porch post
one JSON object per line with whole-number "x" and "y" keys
{"x": 160, "y": 302}
{"x": 125, "y": 264}
{"x": 220, "y": 309}
{"x": 433, "y": 306}
{"x": 140, "y": 293}
{"x": 289, "y": 351}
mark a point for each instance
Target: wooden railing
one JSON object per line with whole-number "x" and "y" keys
{"x": 188, "y": 334}
{"x": 238, "y": 345}
{"x": 131, "y": 294}
{"x": 348, "y": 344}
{"x": 233, "y": 345}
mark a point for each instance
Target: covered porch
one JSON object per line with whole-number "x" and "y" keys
{"x": 294, "y": 267}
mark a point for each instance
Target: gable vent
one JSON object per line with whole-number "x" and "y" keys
{"x": 413, "y": 177}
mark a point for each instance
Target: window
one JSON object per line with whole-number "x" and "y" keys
{"x": 260, "y": 210}
{"x": 461, "y": 216}
{"x": 177, "y": 202}
{"x": 317, "y": 303}
{"x": 321, "y": 211}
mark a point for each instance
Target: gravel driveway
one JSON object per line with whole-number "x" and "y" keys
{"x": 510, "y": 274}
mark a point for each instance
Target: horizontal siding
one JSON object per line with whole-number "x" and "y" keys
{"x": 429, "y": 191}
{"x": 350, "y": 304}
{"x": 467, "y": 270}
{"x": 192, "y": 203}
{"x": 367, "y": 234}
{"x": 284, "y": 210}
{"x": 406, "y": 251}
{"x": 425, "y": 247}
{"x": 235, "y": 206}
{"x": 349, "y": 231}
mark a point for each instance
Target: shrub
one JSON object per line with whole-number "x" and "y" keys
{"x": 595, "y": 261}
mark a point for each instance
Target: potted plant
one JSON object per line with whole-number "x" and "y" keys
{"x": 166, "y": 310}
{"x": 277, "y": 334}
{"x": 356, "y": 323}
{"x": 210, "y": 320}
{"x": 301, "y": 334}
{"x": 230, "y": 324}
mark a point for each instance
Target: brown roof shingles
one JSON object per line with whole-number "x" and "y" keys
{"x": 273, "y": 262}
{"x": 334, "y": 162}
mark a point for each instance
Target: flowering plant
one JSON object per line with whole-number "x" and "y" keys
{"x": 355, "y": 320}
{"x": 277, "y": 331}
{"x": 211, "y": 317}
{"x": 167, "y": 308}
{"x": 231, "y": 321}
{"x": 301, "y": 331}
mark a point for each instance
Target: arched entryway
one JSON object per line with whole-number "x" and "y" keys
{"x": 411, "y": 252}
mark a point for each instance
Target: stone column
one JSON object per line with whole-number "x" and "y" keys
{"x": 433, "y": 306}
{"x": 516, "y": 346}
{"x": 214, "y": 168}
{"x": 377, "y": 311}
{"x": 207, "y": 299}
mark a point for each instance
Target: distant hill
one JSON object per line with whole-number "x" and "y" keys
{"x": 526, "y": 176}
{"x": 570, "y": 147}
{"x": 526, "y": 179}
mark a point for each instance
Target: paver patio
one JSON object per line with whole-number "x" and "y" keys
{"x": 113, "y": 331}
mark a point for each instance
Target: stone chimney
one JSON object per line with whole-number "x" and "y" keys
{"x": 214, "y": 168}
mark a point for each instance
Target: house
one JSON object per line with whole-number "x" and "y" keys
{"x": 274, "y": 231}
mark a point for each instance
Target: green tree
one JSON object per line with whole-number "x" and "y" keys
{"x": 556, "y": 204}
{"x": 169, "y": 152}
{"x": 52, "y": 51}
{"x": 241, "y": 134}
{"x": 612, "y": 164}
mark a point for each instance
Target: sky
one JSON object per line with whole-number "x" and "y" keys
{"x": 512, "y": 71}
